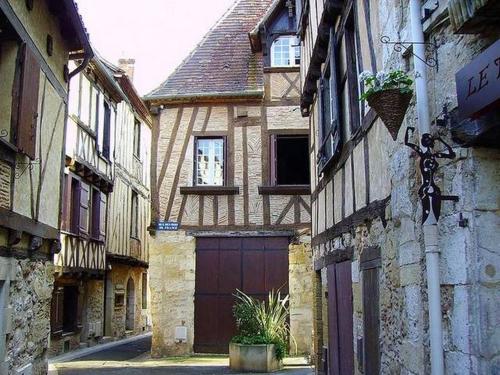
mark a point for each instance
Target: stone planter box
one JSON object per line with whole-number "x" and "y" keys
{"x": 253, "y": 358}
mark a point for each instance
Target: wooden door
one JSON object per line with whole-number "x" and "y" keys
{"x": 340, "y": 321}
{"x": 255, "y": 265}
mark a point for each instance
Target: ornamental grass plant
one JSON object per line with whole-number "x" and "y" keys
{"x": 263, "y": 322}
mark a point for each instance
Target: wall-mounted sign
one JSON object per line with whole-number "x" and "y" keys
{"x": 167, "y": 225}
{"x": 478, "y": 83}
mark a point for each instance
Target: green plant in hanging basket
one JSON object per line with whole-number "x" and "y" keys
{"x": 389, "y": 94}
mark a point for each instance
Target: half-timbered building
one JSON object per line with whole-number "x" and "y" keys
{"x": 230, "y": 182}
{"x": 36, "y": 40}
{"x": 103, "y": 260}
{"x": 375, "y": 309}
{"x": 127, "y": 307}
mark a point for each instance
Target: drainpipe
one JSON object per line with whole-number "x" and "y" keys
{"x": 430, "y": 230}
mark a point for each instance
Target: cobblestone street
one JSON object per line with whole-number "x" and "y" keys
{"x": 133, "y": 358}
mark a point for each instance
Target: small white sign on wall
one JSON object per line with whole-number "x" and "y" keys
{"x": 181, "y": 334}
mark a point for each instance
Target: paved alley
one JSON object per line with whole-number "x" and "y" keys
{"x": 133, "y": 358}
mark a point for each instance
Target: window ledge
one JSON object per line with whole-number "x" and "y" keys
{"x": 285, "y": 190}
{"x": 281, "y": 69}
{"x": 209, "y": 190}
{"x": 7, "y": 151}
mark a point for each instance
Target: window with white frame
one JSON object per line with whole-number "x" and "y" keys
{"x": 209, "y": 161}
{"x": 285, "y": 51}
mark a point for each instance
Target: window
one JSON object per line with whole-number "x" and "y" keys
{"x": 330, "y": 132}
{"x": 290, "y": 158}
{"x": 65, "y": 309}
{"x": 106, "y": 133}
{"x": 144, "y": 290}
{"x": 285, "y": 51}
{"x": 98, "y": 215}
{"x": 137, "y": 138}
{"x": 134, "y": 215}
{"x": 209, "y": 161}
{"x": 338, "y": 97}
{"x": 84, "y": 209}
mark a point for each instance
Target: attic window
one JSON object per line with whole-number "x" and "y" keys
{"x": 285, "y": 51}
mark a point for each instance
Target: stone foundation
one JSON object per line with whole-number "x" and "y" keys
{"x": 172, "y": 275}
{"x": 25, "y": 295}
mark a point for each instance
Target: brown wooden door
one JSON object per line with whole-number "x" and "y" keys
{"x": 340, "y": 321}
{"x": 255, "y": 265}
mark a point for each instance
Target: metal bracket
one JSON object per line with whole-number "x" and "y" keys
{"x": 404, "y": 46}
{"x": 22, "y": 167}
{"x": 463, "y": 222}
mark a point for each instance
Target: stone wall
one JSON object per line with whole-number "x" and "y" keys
{"x": 301, "y": 297}
{"x": 119, "y": 276}
{"x": 26, "y": 294}
{"x": 172, "y": 278}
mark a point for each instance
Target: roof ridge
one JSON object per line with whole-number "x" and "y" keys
{"x": 195, "y": 48}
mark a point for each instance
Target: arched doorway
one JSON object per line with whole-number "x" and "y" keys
{"x": 130, "y": 308}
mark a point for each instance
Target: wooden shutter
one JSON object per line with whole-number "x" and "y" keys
{"x": 102, "y": 216}
{"x": 274, "y": 159}
{"x": 79, "y": 308}
{"x": 28, "y": 103}
{"x": 83, "y": 214}
{"x": 56, "y": 312}
{"x": 66, "y": 204}
{"x": 336, "y": 132}
{"x": 106, "y": 131}
{"x": 96, "y": 213}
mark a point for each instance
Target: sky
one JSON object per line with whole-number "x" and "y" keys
{"x": 158, "y": 34}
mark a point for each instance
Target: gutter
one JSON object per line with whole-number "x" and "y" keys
{"x": 431, "y": 235}
{"x": 76, "y": 20}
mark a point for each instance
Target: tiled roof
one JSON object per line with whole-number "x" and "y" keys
{"x": 223, "y": 62}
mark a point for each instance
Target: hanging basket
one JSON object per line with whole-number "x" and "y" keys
{"x": 391, "y": 106}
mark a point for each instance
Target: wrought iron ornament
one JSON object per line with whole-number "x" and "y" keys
{"x": 429, "y": 193}
{"x": 4, "y": 133}
{"x": 403, "y": 45}
{"x": 22, "y": 167}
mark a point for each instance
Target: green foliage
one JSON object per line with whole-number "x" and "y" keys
{"x": 395, "y": 79}
{"x": 262, "y": 322}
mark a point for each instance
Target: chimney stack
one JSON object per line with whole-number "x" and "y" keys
{"x": 127, "y": 65}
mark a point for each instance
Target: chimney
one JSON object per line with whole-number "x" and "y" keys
{"x": 127, "y": 65}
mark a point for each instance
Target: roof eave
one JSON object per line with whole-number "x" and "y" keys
{"x": 195, "y": 97}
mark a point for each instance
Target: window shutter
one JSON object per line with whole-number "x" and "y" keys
{"x": 102, "y": 217}
{"x": 79, "y": 308}
{"x": 335, "y": 110}
{"x": 95, "y": 210}
{"x": 56, "y": 312}
{"x": 106, "y": 131}
{"x": 66, "y": 204}
{"x": 83, "y": 222}
{"x": 273, "y": 159}
{"x": 28, "y": 103}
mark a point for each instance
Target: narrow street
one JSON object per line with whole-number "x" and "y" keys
{"x": 133, "y": 358}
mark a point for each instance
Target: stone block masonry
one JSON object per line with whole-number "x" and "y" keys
{"x": 25, "y": 295}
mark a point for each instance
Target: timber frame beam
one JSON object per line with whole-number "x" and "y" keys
{"x": 17, "y": 222}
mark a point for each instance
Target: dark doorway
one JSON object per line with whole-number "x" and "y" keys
{"x": 130, "y": 308}
{"x": 255, "y": 265}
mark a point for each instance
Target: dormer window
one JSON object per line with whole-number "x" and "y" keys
{"x": 285, "y": 51}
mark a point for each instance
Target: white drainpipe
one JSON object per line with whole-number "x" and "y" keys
{"x": 430, "y": 231}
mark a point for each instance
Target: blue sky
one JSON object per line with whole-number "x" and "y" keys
{"x": 159, "y": 34}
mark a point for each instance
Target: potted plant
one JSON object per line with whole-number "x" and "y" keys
{"x": 389, "y": 95}
{"x": 263, "y": 330}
